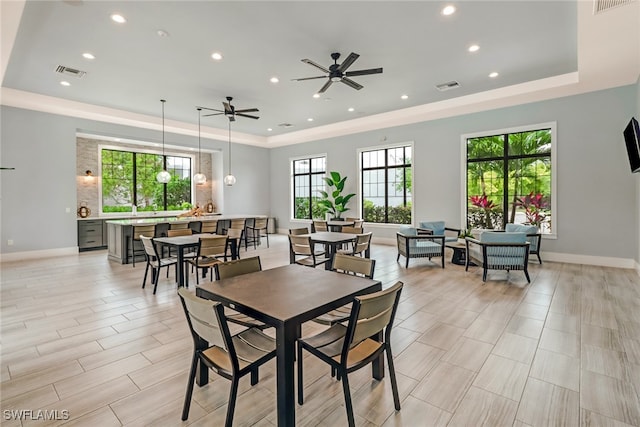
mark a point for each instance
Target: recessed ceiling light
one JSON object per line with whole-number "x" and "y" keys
{"x": 274, "y": 79}
{"x": 162, "y": 33}
{"x": 217, "y": 56}
{"x": 269, "y": 129}
{"x": 474, "y": 48}
{"x": 351, "y": 109}
{"x": 118, "y": 18}
{"x": 493, "y": 75}
{"x": 65, "y": 83}
{"x": 404, "y": 97}
{"x": 448, "y": 10}
{"x": 88, "y": 55}
{"x": 316, "y": 95}
{"x": 310, "y": 119}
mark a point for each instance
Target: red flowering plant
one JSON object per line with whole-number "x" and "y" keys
{"x": 486, "y": 205}
{"x": 536, "y": 208}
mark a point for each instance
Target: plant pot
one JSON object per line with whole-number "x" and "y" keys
{"x": 337, "y": 219}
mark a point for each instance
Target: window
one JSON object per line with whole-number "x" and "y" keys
{"x": 509, "y": 178}
{"x": 386, "y": 185}
{"x": 307, "y": 181}
{"x": 129, "y": 176}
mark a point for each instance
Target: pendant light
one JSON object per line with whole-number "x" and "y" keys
{"x": 199, "y": 178}
{"x": 163, "y": 176}
{"x": 229, "y": 179}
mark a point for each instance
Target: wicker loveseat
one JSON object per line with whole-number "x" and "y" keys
{"x": 412, "y": 244}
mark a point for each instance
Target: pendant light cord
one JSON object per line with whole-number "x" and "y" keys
{"x": 199, "y": 152}
{"x": 163, "y": 101}
{"x": 229, "y": 147}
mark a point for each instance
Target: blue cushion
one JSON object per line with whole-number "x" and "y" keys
{"x": 436, "y": 226}
{"x": 527, "y": 229}
{"x": 408, "y": 231}
{"x": 502, "y": 237}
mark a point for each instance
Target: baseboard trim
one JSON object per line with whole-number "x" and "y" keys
{"x": 29, "y": 255}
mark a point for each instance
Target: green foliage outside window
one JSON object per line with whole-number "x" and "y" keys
{"x": 397, "y": 214}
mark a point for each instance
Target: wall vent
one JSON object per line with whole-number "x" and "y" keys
{"x": 448, "y": 86}
{"x": 285, "y": 125}
{"x": 600, "y": 6}
{"x": 70, "y": 71}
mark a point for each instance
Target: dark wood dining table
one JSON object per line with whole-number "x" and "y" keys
{"x": 181, "y": 243}
{"x": 286, "y": 297}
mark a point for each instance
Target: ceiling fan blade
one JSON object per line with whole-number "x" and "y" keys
{"x": 347, "y": 62}
{"x": 363, "y": 72}
{"x": 310, "y": 62}
{"x": 326, "y": 86}
{"x": 7, "y": 169}
{"x": 247, "y": 110}
{"x": 351, "y": 83}
{"x": 309, "y": 78}
{"x": 211, "y": 109}
{"x": 213, "y": 114}
{"x": 246, "y": 115}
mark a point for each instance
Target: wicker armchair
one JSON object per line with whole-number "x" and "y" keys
{"x": 414, "y": 245}
{"x": 495, "y": 250}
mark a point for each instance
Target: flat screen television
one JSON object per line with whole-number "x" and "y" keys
{"x": 632, "y": 139}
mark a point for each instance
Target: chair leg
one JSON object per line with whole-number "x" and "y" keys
{"x": 155, "y": 283}
{"x": 144, "y": 280}
{"x": 192, "y": 377}
{"x": 267, "y": 236}
{"x": 232, "y": 401}
{"x": 392, "y": 377}
{"x": 347, "y": 398}
{"x": 254, "y": 376}
{"x": 526, "y": 274}
{"x": 300, "y": 382}
{"x": 539, "y": 259}
{"x": 484, "y": 274}
{"x": 406, "y": 265}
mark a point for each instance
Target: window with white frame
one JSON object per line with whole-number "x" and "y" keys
{"x": 386, "y": 180}
{"x": 307, "y": 181}
{"x": 510, "y": 178}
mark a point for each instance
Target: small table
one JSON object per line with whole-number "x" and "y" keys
{"x": 183, "y": 242}
{"x": 286, "y": 297}
{"x": 331, "y": 240}
{"x": 459, "y": 252}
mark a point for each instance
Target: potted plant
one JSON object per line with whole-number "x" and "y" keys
{"x": 334, "y": 202}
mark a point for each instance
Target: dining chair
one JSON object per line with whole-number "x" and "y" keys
{"x": 239, "y": 224}
{"x": 155, "y": 261}
{"x": 349, "y": 348}
{"x": 357, "y": 222}
{"x": 319, "y": 225}
{"x": 221, "y": 348}
{"x": 234, "y": 268}
{"x": 359, "y": 246}
{"x": 209, "y": 227}
{"x": 298, "y": 231}
{"x": 179, "y": 226}
{"x": 173, "y": 232}
{"x": 136, "y": 232}
{"x": 210, "y": 249}
{"x": 347, "y": 264}
{"x": 255, "y": 230}
{"x": 302, "y": 246}
{"x": 236, "y": 234}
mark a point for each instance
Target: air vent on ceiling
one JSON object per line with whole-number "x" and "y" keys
{"x": 600, "y": 6}
{"x": 70, "y": 71}
{"x": 448, "y": 86}
{"x": 286, "y": 125}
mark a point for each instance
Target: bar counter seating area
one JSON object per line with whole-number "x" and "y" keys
{"x": 84, "y": 341}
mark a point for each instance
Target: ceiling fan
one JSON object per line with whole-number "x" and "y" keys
{"x": 339, "y": 73}
{"x": 231, "y": 112}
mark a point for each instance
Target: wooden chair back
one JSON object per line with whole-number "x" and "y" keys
{"x": 179, "y": 232}
{"x": 211, "y": 246}
{"x": 298, "y": 231}
{"x": 354, "y": 265}
{"x": 320, "y": 226}
{"x": 209, "y": 227}
{"x": 238, "y": 267}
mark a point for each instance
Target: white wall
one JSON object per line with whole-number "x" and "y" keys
{"x": 42, "y": 148}
{"x": 596, "y": 193}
